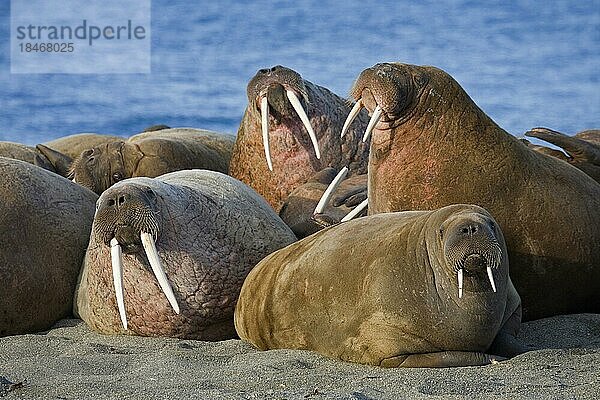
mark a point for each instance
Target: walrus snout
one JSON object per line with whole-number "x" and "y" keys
{"x": 266, "y": 90}
{"x": 471, "y": 247}
{"x": 124, "y": 212}
{"x": 388, "y": 91}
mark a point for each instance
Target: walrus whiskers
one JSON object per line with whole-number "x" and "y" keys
{"x": 304, "y": 118}
{"x": 161, "y": 277}
{"x": 117, "y": 271}
{"x": 460, "y": 283}
{"x": 329, "y": 191}
{"x": 356, "y": 210}
{"x": 264, "y": 114}
{"x": 352, "y": 116}
{"x": 372, "y": 122}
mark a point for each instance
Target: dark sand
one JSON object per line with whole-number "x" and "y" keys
{"x": 71, "y": 362}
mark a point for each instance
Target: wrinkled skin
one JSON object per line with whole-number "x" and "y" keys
{"x": 393, "y": 303}
{"x": 582, "y": 150}
{"x": 434, "y": 147}
{"x": 151, "y": 154}
{"x": 210, "y": 231}
{"x": 297, "y": 211}
{"x": 292, "y": 154}
{"x": 45, "y": 222}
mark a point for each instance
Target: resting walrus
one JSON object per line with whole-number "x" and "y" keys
{"x": 151, "y": 154}
{"x": 582, "y": 150}
{"x": 45, "y": 222}
{"x": 410, "y": 289}
{"x": 433, "y": 147}
{"x": 300, "y": 135}
{"x": 209, "y": 229}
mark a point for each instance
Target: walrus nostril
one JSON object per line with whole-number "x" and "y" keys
{"x": 263, "y": 71}
{"x": 121, "y": 200}
{"x": 469, "y": 229}
{"x": 110, "y": 202}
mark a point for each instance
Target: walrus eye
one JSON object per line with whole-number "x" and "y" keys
{"x": 117, "y": 176}
{"x": 441, "y": 232}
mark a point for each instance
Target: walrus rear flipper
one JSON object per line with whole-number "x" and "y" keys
{"x": 440, "y": 360}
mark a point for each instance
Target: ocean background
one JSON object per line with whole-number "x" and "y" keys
{"x": 525, "y": 63}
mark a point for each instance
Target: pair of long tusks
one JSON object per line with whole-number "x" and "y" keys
{"x": 159, "y": 273}
{"x": 329, "y": 192}
{"x": 460, "y": 281}
{"x": 295, "y": 102}
{"x": 375, "y": 117}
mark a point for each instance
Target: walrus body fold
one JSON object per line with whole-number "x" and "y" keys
{"x": 383, "y": 290}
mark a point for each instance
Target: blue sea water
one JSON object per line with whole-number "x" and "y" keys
{"x": 525, "y": 63}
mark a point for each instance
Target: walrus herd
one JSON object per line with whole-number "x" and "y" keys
{"x": 469, "y": 229}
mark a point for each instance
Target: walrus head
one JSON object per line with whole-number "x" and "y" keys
{"x": 127, "y": 220}
{"x": 472, "y": 247}
{"x": 101, "y": 167}
{"x": 279, "y": 92}
{"x": 389, "y": 91}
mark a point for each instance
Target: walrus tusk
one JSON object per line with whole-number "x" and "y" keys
{"x": 491, "y": 276}
{"x": 264, "y": 114}
{"x": 352, "y": 116}
{"x": 356, "y": 210}
{"x": 152, "y": 254}
{"x": 117, "y": 271}
{"x": 460, "y": 283}
{"x": 329, "y": 191}
{"x": 372, "y": 122}
{"x": 302, "y": 114}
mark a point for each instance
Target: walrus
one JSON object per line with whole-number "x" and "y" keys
{"x": 168, "y": 255}
{"x": 151, "y": 154}
{"x": 45, "y": 221}
{"x": 582, "y": 150}
{"x": 406, "y": 289}
{"x": 432, "y": 146}
{"x": 300, "y": 209}
{"x": 291, "y": 131}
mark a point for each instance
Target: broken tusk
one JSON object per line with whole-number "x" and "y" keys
{"x": 491, "y": 276}
{"x": 356, "y": 210}
{"x": 372, "y": 122}
{"x": 352, "y": 116}
{"x": 460, "y": 283}
{"x": 117, "y": 271}
{"x": 161, "y": 277}
{"x": 304, "y": 118}
{"x": 330, "y": 189}
{"x": 264, "y": 114}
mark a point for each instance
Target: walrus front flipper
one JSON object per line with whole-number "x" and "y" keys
{"x": 440, "y": 360}
{"x": 578, "y": 149}
{"x": 59, "y": 161}
{"x": 508, "y": 345}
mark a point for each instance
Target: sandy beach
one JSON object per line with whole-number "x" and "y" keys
{"x": 72, "y": 362}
